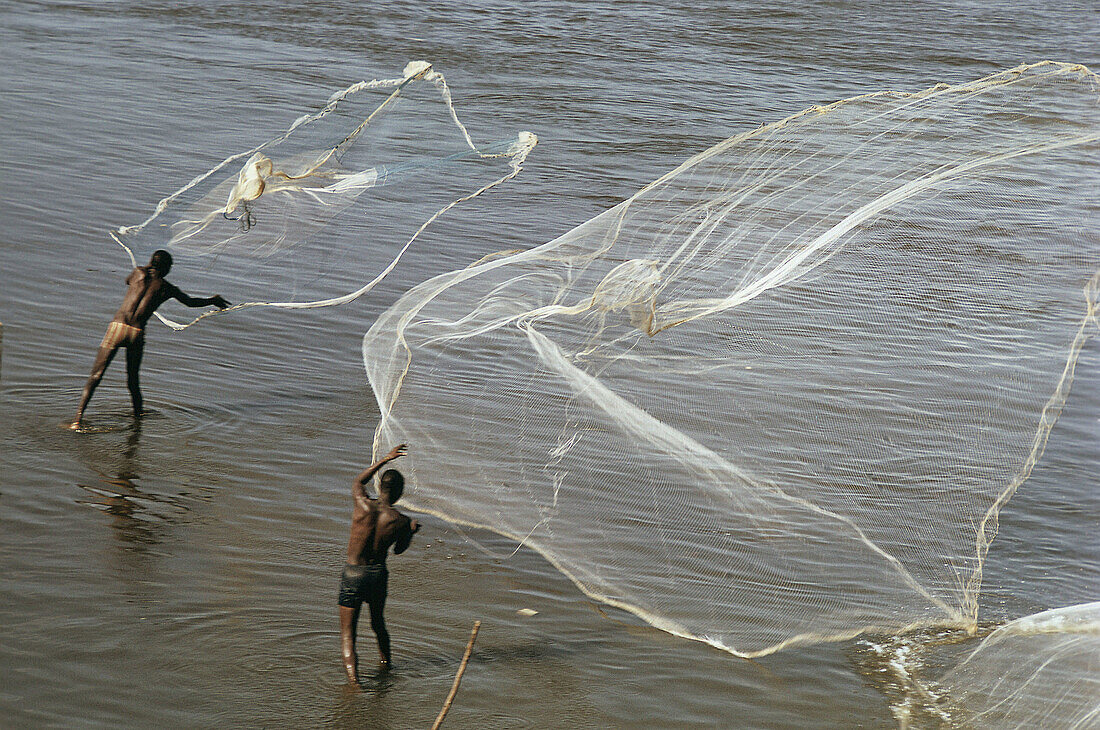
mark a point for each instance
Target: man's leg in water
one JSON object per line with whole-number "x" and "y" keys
{"x": 378, "y": 623}
{"x": 102, "y": 360}
{"x": 349, "y": 620}
{"x": 133, "y": 366}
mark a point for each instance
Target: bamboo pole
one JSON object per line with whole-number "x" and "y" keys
{"x": 458, "y": 677}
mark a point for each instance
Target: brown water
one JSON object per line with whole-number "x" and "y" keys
{"x": 183, "y": 574}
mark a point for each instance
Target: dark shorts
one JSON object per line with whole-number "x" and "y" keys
{"x": 363, "y": 583}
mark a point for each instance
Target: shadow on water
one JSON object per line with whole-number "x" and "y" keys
{"x": 445, "y": 665}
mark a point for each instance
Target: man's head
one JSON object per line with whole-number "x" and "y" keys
{"x": 391, "y": 485}
{"x": 161, "y": 261}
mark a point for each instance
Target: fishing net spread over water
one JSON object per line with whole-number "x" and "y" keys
{"x": 387, "y": 156}
{"x": 1040, "y": 671}
{"x": 780, "y": 394}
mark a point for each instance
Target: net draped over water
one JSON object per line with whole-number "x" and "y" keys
{"x": 297, "y": 220}
{"x": 780, "y": 394}
{"x": 1039, "y": 671}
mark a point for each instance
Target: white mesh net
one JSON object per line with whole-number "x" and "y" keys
{"x": 1040, "y": 671}
{"x": 780, "y": 394}
{"x": 387, "y": 156}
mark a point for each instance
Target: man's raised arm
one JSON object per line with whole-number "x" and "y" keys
{"x": 367, "y": 474}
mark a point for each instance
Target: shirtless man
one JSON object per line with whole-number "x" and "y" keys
{"x": 375, "y": 526}
{"x": 148, "y": 290}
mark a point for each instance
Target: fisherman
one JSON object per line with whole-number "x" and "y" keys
{"x": 148, "y": 289}
{"x": 375, "y": 526}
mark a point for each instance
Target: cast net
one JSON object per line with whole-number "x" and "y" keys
{"x": 780, "y": 394}
{"x": 386, "y": 156}
{"x": 1039, "y": 671}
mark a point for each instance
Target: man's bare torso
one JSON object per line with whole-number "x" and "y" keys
{"x": 375, "y": 527}
{"x": 147, "y": 291}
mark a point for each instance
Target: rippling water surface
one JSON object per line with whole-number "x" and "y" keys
{"x": 183, "y": 573}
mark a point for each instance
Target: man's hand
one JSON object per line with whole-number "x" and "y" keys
{"x": 220, "y": 302}
{"x": 367, "y": 474}
{"x": 415, "y": 526}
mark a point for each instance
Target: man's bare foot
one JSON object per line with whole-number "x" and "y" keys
{"x": 352, "y": 673}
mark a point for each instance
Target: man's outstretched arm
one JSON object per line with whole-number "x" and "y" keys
{"x": 367, "y": 474}
{"x": 191, "y": 301}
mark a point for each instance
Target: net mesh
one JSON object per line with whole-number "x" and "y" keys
{"x": 1039, "y": 671}
{"x": 780, "y": 394}
{"x": 386, "y": 156}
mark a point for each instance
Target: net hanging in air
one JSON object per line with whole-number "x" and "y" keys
{"x": 320, "y": 214}
{"x": 780, "y": 395}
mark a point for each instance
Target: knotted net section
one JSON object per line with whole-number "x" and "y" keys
{"x": 297, "y": 221}
{"x": 780, "y": 394}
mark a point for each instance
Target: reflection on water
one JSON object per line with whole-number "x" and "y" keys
{"x": 369, "y": 705}
{"x": 140, "y": 518}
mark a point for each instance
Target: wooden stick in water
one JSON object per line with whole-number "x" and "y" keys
{"x": 458, "y": 677}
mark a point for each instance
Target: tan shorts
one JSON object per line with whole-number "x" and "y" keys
{"x": 120, "y": 334}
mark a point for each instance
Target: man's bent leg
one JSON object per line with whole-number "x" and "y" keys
{"x": 102, "y": 360}
{"x": 349, "y": 620}
{"x": 133, "y": 367}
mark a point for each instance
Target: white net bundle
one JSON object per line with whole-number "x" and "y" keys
{"x": 1040, "y": 671}
{"x": 780, "y": 394}
{"x": 386, "y": 156}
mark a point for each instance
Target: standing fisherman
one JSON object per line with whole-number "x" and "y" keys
{"x": 375, "y": 526}
{"x": 148, "y": 289}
